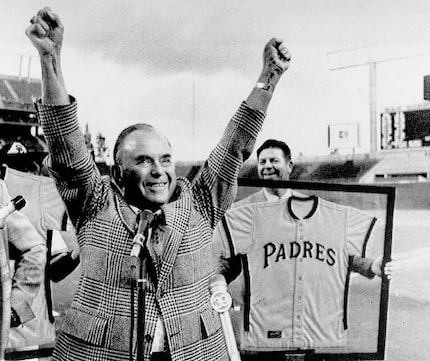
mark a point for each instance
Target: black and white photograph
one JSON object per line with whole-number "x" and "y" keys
{"x": 214, "y": 180}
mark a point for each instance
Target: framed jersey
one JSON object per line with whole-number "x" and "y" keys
{"x": 306, "y": 285}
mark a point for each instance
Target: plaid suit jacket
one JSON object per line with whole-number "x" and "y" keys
{"x": 98, "y": 324}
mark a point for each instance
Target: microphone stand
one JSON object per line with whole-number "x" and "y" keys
{"x": 221, "y": 302}
{"x": 139, "y": 261}
{"x": 142, "y": 282}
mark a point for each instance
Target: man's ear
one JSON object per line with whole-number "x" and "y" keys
{"x": 117, "y": 175}
{"x": 290, "y": 166}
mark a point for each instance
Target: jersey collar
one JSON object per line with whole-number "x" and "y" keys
{"x": 314, "y": 199}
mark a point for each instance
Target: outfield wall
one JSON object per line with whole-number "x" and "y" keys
{"x": 412, "y": 195}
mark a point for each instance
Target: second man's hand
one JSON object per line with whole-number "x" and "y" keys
{"x": 389, "y": 270}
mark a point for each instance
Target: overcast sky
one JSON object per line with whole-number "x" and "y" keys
{"x": 137, "y": 60}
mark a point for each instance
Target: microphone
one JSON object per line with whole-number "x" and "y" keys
{"x": 15, "y": 205}
{"x": 147, "y": 220}
{"x": 221, "y": 303}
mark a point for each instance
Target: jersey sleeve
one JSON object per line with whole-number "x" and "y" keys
{"x": 358, "y": 230}
{"x": 231, "y": 239}
{"x": 234, "y": 233}
{"x": 238, "y": 227}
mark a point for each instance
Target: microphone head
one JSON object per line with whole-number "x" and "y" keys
{"x": 147, "y": 216}
{"x": 19, "y": 202}
{"x": 220, "y": 298}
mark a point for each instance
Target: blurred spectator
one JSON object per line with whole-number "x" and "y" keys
{"x": 17, "y": 147}
{"x": 21, "y": 243}
{"x": 46, "y": 211}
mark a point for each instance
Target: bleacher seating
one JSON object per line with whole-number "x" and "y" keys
{"x": 188, "y": 169}
{"x": 336, "y": 171}
{"x": 4, "y": 91}
{"x": 20, "y": 148}
{"x": 17, "y": 93}
{"x": 348, "y": 171}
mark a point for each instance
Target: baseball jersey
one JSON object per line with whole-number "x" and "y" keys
{"x": 296, "y": 254}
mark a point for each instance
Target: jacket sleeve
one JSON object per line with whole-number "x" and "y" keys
{"x": 27, "y": 248}
{"x": 215, "y": 187}
{"x": 78, "y": 179}
{"x": 361, "y": 265}
{"x": 227, "y": 263}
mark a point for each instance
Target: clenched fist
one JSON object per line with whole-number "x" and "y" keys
{"x": 46, "y": 32}
{"x": 276, "y": 55}
{"x": 276, "y": 60}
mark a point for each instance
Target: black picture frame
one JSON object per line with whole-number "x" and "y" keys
{"x": 390, "y": 193}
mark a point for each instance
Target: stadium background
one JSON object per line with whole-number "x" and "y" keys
{"x": 399, "y": 161}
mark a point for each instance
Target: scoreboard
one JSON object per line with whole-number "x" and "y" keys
{"x": 409, "y": 128}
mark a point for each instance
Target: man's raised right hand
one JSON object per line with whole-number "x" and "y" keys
{"x": 46, "y": 32}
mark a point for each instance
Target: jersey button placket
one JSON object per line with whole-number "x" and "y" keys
{"x": 298, "y": 294}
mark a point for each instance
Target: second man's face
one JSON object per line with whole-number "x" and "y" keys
{"x": 148, "y": 169}
{"x": 272, "y": 165}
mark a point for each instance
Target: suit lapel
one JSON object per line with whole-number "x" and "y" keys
{"x": 126, "y": 214}
{"x": 177, "y": 218}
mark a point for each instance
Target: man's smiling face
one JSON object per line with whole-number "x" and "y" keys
{"x": 273, "y": 165}
{"x": 148, "y": 169}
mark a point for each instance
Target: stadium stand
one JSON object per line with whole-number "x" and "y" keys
{"x": 188, "y": 169}
{"x": 339, "y": 172}
{"x": 400, "y": 167}
{"x": 21, "y": 144}
{"x": 17, "y": 93}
